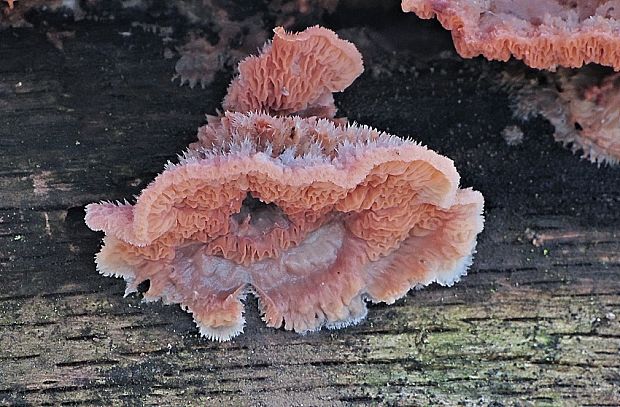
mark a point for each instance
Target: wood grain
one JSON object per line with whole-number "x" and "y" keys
{"x": 536, "y": 321}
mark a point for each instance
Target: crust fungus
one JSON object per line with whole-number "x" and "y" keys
{"x": 296, "y": 73}
{"x": 311, "y": 216}
{"x": 237, "y": 35}
{"x": 583, "y": 105}
{"x": 545, "y": 34}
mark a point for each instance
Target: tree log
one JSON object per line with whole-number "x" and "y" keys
{"x": 536, "y": 321}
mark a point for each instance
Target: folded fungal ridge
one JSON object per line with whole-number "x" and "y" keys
{"x": 312, "y": 216}
{"x": 545, "y": 34}
{"x": 295, "y": 74}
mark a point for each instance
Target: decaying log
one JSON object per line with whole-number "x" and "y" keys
{"x": 537, "y": 320}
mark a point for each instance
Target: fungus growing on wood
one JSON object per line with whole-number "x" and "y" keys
{"x": 583, "y": 105}
{"x": 545, "y": 34}
{"x": 198, "y": 64}
{"x": 296, "y": 73}
{"x": 311, "y": 216}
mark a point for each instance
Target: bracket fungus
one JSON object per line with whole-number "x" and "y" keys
{"x": 312, "y": 216}
{"x": 545, "y": 34}
{"x": 296, "y": 73}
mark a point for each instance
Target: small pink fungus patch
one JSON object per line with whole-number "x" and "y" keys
{"x": 296, "y": 73}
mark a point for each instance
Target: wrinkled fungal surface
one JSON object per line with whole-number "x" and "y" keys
{"x": 583, "y": 105}
{"x": 237, "y": 33}
{"x": 296, "y": 73}
{"x": 545, "y": 34}
{"x": 311, "y": 216}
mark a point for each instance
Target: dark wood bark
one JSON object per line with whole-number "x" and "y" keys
{"x": 536, "y": 321}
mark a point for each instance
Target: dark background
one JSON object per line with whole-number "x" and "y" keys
{"x": 536, "y": 320}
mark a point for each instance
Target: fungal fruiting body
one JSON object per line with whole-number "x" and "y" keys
{"x": 295, "y": 74}
{"x": 545, "y": 34}
{"x": 583, "y": 105}
{"x": 237, "y": 34}
{"x": 311, "y": 216}
{"x": 198, "y": 64}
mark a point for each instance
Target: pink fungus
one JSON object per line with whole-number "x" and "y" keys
{"x": 296, "y": 73}
{"x": 311, "y": 216}
{"x": 582, "y": 105}
{"x": 545, "y": 34}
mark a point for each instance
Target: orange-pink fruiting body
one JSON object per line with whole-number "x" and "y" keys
{"x": 311, "y": 216}
{"x": 296, "y": 73}
{"x": 545, "y": 34}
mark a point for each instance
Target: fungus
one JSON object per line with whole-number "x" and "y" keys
{"x": 545, "y": 34}
{"x": 582, "y": 105}
{"x": 201, "y": 59}
{"x": 312, "y": 216}
{"x": 296, "y": 73}
{"x": 198, "y": 64}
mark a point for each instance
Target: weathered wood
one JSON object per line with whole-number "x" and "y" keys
{"x": 535, "y": 322}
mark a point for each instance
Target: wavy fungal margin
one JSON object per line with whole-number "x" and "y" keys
{"x": 311, "y": 215}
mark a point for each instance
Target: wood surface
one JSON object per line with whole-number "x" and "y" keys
{"x": 536, "y": 321}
